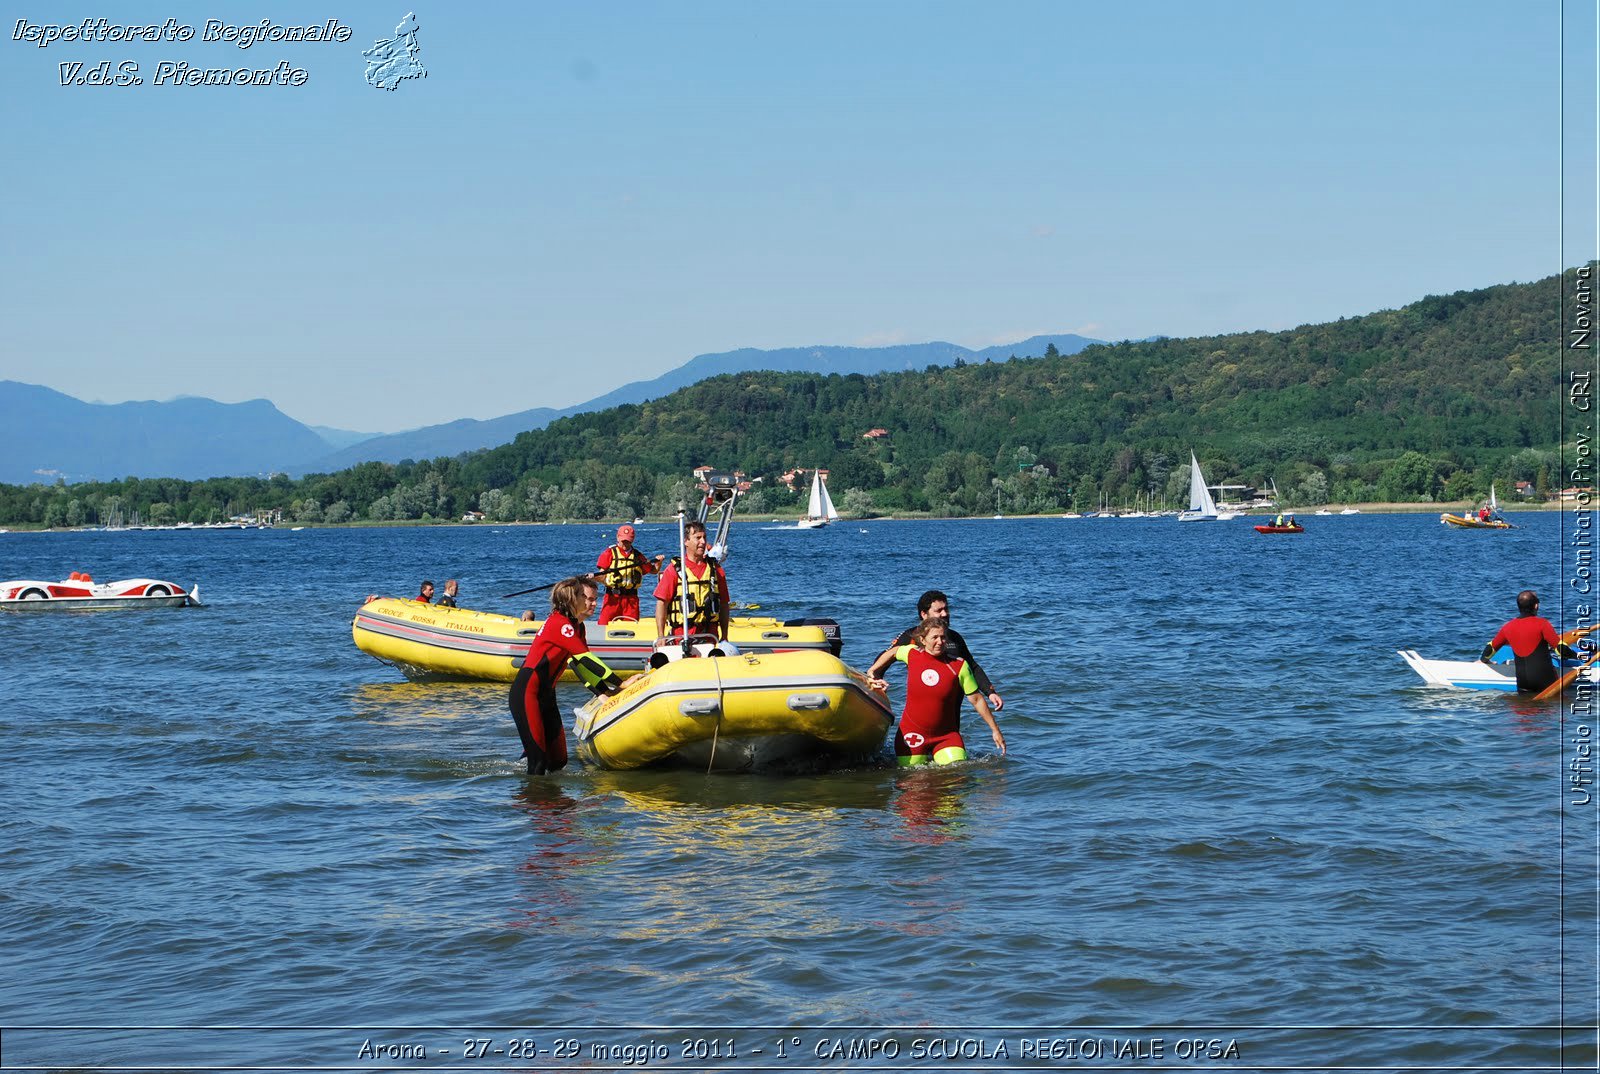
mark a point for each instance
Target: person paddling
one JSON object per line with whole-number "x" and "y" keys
{"x": 1533, "y": 642}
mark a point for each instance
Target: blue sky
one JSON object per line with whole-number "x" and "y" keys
{"x": 580, "y": 195}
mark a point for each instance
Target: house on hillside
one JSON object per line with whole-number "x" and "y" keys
{"x": 875, "y": 434}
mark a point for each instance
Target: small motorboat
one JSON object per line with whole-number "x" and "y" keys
{"x": 1273, "y": 527}
{"x": 428, "y": 643}
{"x": 736, "y": 713}
{"x": 1473, "y": 522}
{"x": 80, "y": 592}
{"x": 1476, "y": 675}
{"x": 1487, "y": 518}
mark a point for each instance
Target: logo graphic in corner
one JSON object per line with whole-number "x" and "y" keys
{"x": 930, "y": 677}
{"x": 393, "y": 61}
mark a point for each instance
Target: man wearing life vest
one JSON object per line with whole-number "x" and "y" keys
{"x": 934, "y": 605}
{"x": 707, "y": 588}
{"x": 622, "y": 568}
{"x": 930, "y": 723}
{"x": 533, "y": 692}
{"x": 1533, "y": 642}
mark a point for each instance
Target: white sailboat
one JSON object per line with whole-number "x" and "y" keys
{"x": 1202, "y": 508}
{"x": 820, "y": 511}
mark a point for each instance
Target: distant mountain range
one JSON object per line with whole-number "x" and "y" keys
{"x": 48, "y": 435}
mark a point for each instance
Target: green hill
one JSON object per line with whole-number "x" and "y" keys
{"x": 1430, "y": 401}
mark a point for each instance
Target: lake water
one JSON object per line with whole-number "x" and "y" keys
{"x": 1230, "y": 815}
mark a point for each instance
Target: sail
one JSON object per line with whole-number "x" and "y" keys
{"x": 827, "y": 502}
{"x": 821, "y": 506}
{"x": 1494, "y": 507}
{"x": 1199, "y": 496}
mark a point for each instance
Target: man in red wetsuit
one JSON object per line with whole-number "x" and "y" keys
{"x": 533, "y": 693}
{"x": 622, "y": 568}
{"x": 930, "y": 723}
{"x": 1534, "y": 643}
{"x": 426, "y": 594}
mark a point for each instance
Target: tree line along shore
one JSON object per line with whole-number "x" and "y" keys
{"x": 1422, "y": 407}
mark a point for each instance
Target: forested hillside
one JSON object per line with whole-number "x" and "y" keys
{"x": 1430, "y": 401}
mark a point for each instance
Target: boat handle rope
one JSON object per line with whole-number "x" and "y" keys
{"x": 716, "y": 730}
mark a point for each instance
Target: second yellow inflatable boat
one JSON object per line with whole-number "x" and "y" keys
{"x": 425, "y": 642}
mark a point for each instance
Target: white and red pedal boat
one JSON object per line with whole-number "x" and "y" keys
{"x": 80, "y": 592}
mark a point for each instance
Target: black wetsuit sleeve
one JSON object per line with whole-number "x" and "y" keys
{"x": 964, "y": 653}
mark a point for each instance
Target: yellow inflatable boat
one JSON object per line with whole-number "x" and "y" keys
{"x": 425, "y": 642}
{"x": 753, "y": 710}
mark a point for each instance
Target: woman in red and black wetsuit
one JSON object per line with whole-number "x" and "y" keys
{"x": 1534, "y": 643}
{"x": 930, "y": 724}
{"x": 533, "y": 693}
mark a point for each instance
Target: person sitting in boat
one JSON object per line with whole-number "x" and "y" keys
{"x": 1483, "y": 513}
{"x": 622, "y": 568}
{"x": 706, "y": 585}
{"x": 451, "y": 588}
{"x": 426, "y": 596}
{"x": 533, "y": 693}
{"x": 930, "y": 723}
{"x": 934, "y": 605}
{"x": 1533, "y": 641}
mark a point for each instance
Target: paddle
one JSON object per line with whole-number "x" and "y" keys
{"x": 1578, "y": 632}
{"x": 1555, "y": 688}
{"x": 547, "y": 585}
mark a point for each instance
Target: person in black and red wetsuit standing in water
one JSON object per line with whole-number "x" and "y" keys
{"x": 533, "y": 693}
{"x": 1534, "y": 643}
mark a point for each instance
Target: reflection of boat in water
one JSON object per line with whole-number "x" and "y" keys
{"x": 425, "y": 642}
{"x": 749, "y": 711}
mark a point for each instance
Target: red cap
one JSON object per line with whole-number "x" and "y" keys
{"x": 624, "y": 533}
